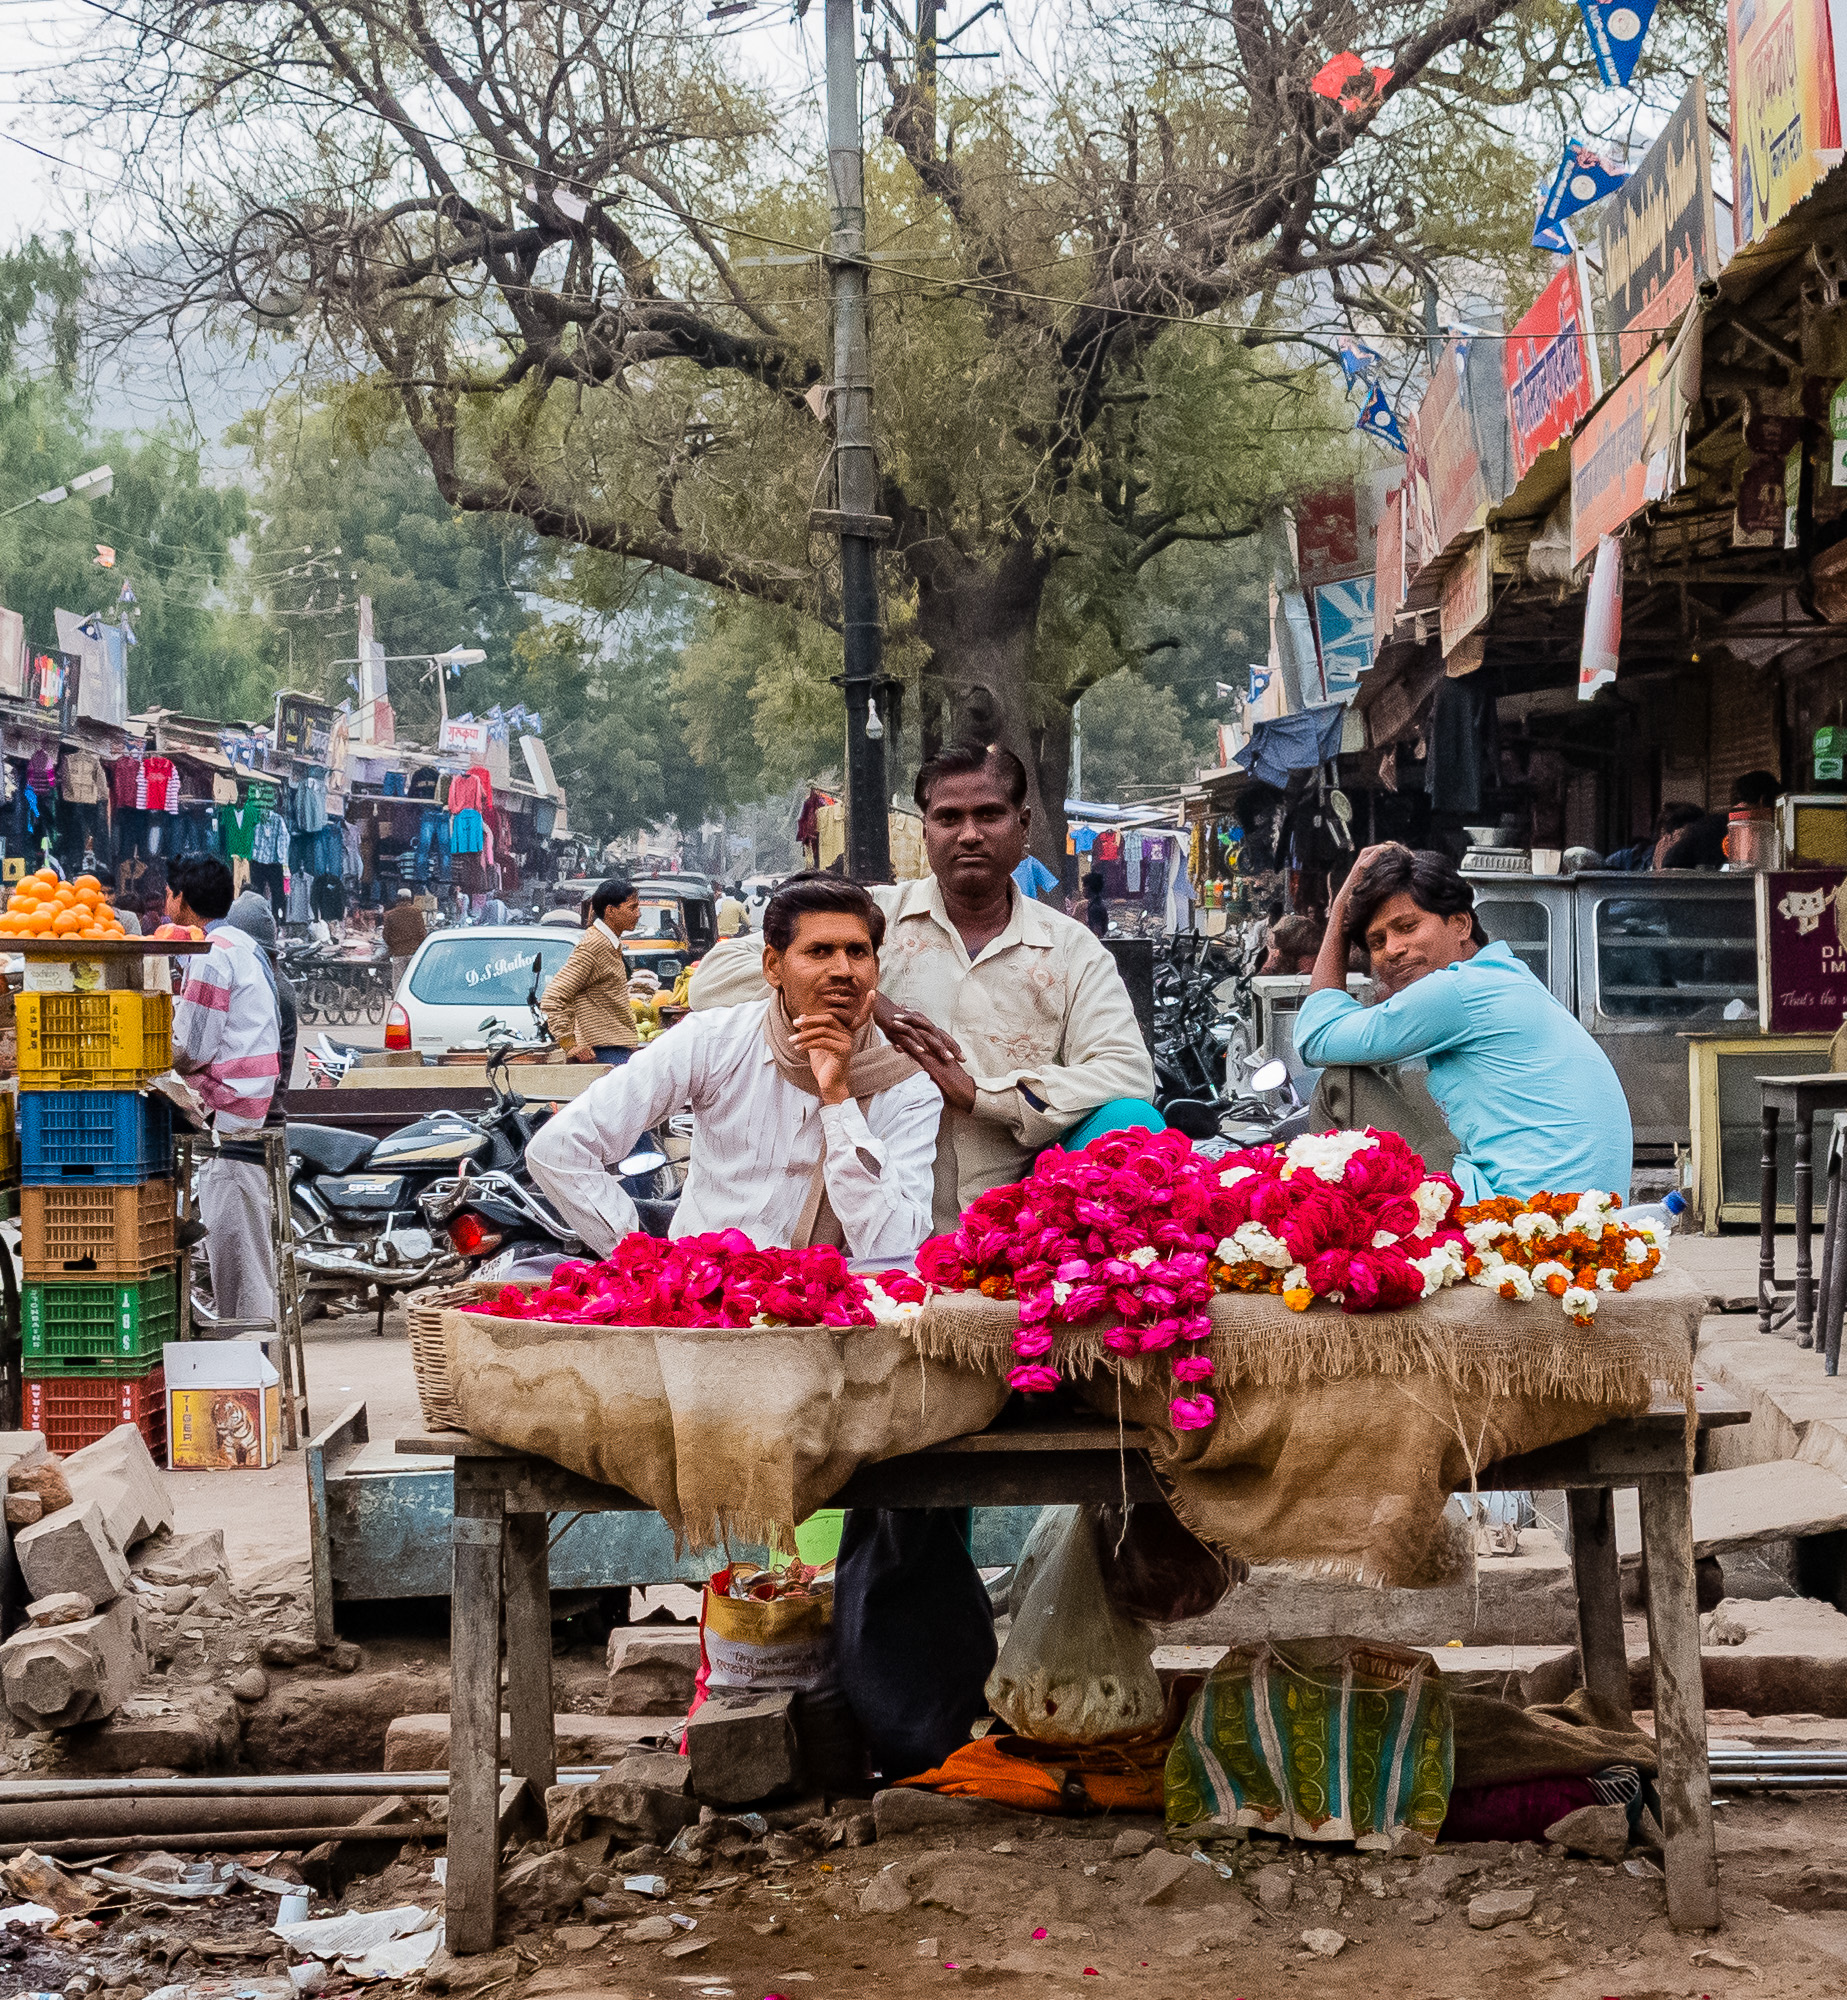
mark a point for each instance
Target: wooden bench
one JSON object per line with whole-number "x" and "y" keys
{"x": 504, "y": 1499}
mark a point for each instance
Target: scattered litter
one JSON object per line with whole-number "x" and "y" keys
{"x": 369, "y": 1944}
{"x": 1640, "y": 1865}
{"x": 168, "y": 1892}
{"x": 271, "y": 1885}
{"x": 308, "y": 1978}
{"x": 34, "y": 1915}
{"x": 645, "y": 1885}
{"x": 928, "y": 1947}
{"x": 1724, "y": 1959}
{"x": 1041, "y": 1932}
{"x": 1224, "y": 1871}
{"x": 685, "y": 1923}
{"x": 752, "y": 1822}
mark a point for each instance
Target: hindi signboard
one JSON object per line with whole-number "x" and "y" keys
{"x": 1459, "y": 492}
{"x": 1609, "y": 469}
{"x": 1468, "y": 595}
{"x": 1549, "y": 365}
{"x": 1660, "y": 232}
{"x": 464, "y": 739}
{"x": 1786, "y": 120}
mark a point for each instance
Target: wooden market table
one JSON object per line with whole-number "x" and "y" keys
{"x": 503, "y": 1499}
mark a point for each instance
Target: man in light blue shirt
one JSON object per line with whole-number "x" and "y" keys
{"x": 1532, "y": 1100}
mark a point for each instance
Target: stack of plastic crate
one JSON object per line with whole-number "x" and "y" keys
{"x": 96, "y": 1214}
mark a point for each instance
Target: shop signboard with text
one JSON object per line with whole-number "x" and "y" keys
{"x": 1802, "y": 951}
{"x": 1549, "y": 365}
{"x": 1468, "y": 595}
{"x": 465, "y": 739}
{"x": 1609, "y": 465}
{"x": 1660, "y": 231}
{"x": 1786, "y": 120}
{"x": 1459, "y": 489}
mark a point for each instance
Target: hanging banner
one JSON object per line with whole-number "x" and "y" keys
{"x": 1603, "y": 619}
{"x": 1549, "y": 364}
{"x": 1660, "y": 234}
{"x": 1609, "y": 467}
{"x": 1584, "y": 176}
{"x": 1388, "y": 575}
{"x": 1468, "y": 595}
{"x": 1616, "y": 28}
{"x": 1343, "y": 619}
{"x": 1459, "y": 489}
{"x": 464, "y": 739}
{"x": 1786, "y": 120}
{"x": 1378, "y": 420}
{"x": 1327, "y": 533}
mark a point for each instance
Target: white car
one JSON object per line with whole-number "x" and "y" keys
{"x": 467, "y": 987}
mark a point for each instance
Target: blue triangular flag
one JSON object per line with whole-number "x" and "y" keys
{"x": 128, "y": 596}
{"x": 1584, "y": 176}
{"x": 1555, "y": 237}
{"x": 1377, "y": 419}
{"x": 1616, "y": 28}
{"x": 128, "y": 634}
{"x": 1356, "y": 358}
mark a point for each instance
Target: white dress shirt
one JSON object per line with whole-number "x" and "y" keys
{"x": 756, "y": 1142}
{"x": 1046, "y": 1027}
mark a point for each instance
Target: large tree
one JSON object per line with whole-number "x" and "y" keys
{"x": 573, "y": 245}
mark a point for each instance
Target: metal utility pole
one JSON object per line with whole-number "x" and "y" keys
{"x": 856, "y": 518}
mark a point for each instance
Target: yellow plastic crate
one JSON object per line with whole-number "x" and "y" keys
{"x": 93, "y": 1041}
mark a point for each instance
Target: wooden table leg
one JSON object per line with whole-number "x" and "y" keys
{"x": 1766, "y": 1224}
{"x": 470, "y": 1899}
{"x": 1680, "y": 1703}
{"x": 1596, "y": 1575}
{"x": 529, "y": 1651}
{"x": 1805, "y": 1204}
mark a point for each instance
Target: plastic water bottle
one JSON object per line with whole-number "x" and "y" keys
{"x": 1665, "y": 1214}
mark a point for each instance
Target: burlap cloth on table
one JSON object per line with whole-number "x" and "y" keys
{"x": 1339, "y": 1436}
{"x": 730, "y": 1434}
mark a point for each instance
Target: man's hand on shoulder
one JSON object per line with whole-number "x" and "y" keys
{"x": 937, "y": 1054}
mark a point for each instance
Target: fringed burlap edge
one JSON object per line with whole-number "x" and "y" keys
{"x": 1635, "y": 1347}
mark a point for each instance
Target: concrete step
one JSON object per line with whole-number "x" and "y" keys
{"x": 1779, "y": 1502}
{"x": 421, "y": 1742}
{"x": 1775, "y": 1656}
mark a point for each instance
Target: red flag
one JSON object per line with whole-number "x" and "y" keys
{"x": 1347, "y": 79}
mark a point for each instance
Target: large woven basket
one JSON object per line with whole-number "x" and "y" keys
{"x": 429, "y": 1357}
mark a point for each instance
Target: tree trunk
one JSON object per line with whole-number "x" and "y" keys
{"x": 980, "y": 622}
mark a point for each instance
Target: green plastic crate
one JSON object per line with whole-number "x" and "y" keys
{"x": 70, "y": 1329}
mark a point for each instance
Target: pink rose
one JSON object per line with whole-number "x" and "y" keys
{"x": 1034, "y": 1379}
{"x": 1193, "y": 1368}
{"x": 1192, "y": 1413}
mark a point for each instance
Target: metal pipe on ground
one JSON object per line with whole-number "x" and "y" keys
{"x": 283, "y": 1784}
{"x": 232, "y": 1841}
{"x": 119, "y": 1819}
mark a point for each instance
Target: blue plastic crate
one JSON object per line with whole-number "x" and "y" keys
{"x": 98, "y": 1137}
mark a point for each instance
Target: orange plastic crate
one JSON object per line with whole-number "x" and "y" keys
{"x": 83, "y": 1231}
{"x": 73, "y": 1411}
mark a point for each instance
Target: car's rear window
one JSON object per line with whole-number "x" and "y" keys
{"x": 485, "y": 972}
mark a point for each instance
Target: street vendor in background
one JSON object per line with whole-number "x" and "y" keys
{"x": 1531, "y": 1100}
{"x": 808, "y": 1127}
{"x": 227, "y": 1041}
{"x": 1015, "y": 1010}
{"x": 587, "y": 1004}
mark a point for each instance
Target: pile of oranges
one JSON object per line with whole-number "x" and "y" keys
{"x": 43, "y": 907}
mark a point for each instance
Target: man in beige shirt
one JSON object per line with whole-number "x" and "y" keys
{"x": 1017, "y": 1013}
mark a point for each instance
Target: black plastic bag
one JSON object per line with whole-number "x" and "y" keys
{"x": 1156, "y": 1569}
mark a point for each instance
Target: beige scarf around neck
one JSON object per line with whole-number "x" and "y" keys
{"x": 875, "y": 1066}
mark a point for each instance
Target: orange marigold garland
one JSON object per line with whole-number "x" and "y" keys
{"x": 1574, "y": 1247}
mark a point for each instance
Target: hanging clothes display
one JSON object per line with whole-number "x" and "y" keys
{"x": 1132, "y": 863}
{"x": 467, "y": 833}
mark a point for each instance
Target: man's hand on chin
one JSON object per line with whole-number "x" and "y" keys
{"x": 827, "y": 1041}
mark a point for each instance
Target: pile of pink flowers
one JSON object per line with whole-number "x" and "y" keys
{"x": 1140, "y": 1227}
{"x": 717, "y": 1280}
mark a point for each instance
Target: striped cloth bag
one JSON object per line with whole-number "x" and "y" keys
{"x": 1321, "y": 1739}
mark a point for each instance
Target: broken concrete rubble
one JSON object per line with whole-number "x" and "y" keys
{"x": 44, "y": 1480}
{"x": 63, "y": 1609}
{"x": 649, "y": 1794}
{"x": 56, "y": 1676}
{"x": 653, "y": 1670}
{"x": 743, "y": 1748}
{"x": 72, "y": 1549}
{"x": 1601, "y": 1832}
{"x": 22, "y": 1509}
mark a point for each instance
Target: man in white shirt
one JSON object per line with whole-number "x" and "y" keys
{"x": 1016, "y": 1010}
{"x": 809, "y": 1127}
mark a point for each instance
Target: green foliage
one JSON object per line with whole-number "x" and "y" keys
{"x": 1135, "y": 739}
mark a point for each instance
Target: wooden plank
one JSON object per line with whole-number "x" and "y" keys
{"x": 1603, "y": 1658}
{"x": 529, "y": 1651}
{"x": 1777, "y": 1502}
{"x": 1680, "y": 1705}
{"x": 1001, "y": 1479}
{"x": 471, "y": 1894}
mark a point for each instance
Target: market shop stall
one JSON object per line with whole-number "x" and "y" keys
{"x": 1305, "y": 1351}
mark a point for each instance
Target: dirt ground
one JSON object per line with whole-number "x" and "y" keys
{"x": 1045, "y": 1908}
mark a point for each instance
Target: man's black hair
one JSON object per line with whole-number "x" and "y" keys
{"x": 962, "y": 758}
{"x": 203, "y": 884}
{"x": 1756, "y": 788}
{"x": 610, "y": 894}
{"x": 1432, "y": 881}
{"x": 1093, "y": 883}
{"x": 816, "y": 893}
